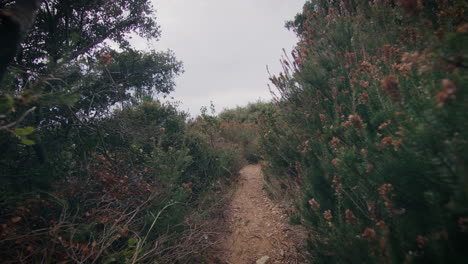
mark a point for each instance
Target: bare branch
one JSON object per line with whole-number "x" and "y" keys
{"x": 23, "y": 116}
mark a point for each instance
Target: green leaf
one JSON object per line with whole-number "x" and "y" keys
{"x": 132, "y": 242}
{"x": 27, "y": 141}
{"x": 69, "y": 99}
{"x": 110, "y": 260}
{"x": 23, "y": 131}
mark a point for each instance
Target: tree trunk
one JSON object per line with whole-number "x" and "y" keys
{"x": 15, "y": 23}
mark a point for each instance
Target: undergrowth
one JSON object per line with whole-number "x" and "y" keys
{"x": 153, "y": 194}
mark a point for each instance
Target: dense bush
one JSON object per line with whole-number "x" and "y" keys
{"x": 93, "y": 169}
{"x": 240, "y": 126}
{"x": 371, "y": 122}
{"x": 127, "y": 203}
{"x": 252, "y": 112}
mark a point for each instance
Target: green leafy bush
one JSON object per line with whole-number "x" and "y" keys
{"x": 93, "y": 169}
{"x": 116, "y": 203}
{"x": 240, "y": 126}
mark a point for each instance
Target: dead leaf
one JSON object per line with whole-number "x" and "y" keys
{"x": 15, "y": 219}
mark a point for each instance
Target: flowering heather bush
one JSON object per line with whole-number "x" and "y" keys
{"x": 371, "y": 122}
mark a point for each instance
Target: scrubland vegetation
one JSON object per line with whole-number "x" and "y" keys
{"x": 94, "y": 168}
{"x": 139, "y": 186}
{"x": 367, "y": 136}
{"x": 370, "y": 123}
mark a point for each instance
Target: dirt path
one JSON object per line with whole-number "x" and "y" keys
{"x": 259, "y": 229}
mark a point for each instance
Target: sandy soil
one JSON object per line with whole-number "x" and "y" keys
{"x": 258, "y": 228}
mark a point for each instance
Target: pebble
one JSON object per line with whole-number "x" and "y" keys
{"x": 263, "y": 260}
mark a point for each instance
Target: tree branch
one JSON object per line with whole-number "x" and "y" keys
{"x": 23, "y": 116}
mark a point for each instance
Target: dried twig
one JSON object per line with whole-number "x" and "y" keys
{"x": 20, "y": 119}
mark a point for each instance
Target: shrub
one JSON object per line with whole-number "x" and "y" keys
{"x": 139, "y": 196}
{"x": 240, "y": 125}
{"x": 369, "y": 121}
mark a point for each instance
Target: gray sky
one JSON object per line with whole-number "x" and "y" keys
{"x": 225, "y": 46}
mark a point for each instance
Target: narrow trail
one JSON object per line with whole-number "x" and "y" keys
{"x": 259, "y": 228}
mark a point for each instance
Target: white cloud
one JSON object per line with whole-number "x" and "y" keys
{"x": 225, "y": 46}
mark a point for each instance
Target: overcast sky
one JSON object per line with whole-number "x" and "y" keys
{"x": 225, "y": 46}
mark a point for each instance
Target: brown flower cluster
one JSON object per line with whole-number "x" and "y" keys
{"x": 305, "y": 146}
{"x": 391, "y": 87}
{"x": 334, "y": 142}
{"x": 385, "y": 124}
{"x": 448, "y": 92}
{"x": 337, "y": 186}
{"x": 354, "y": 121}
{"x": 335, "y": 161}
{"x": 402, "y": 68}
{"x": 372, "y": 209}
{"x": 388, "y": 53}
{"x": 349, "y": 216}
{"x": 314, "y": 204}
{"x": 389, "y": 141}
{"x": 385, "y": 192}
{"x": 368, "y": 67}
{"x": 322, "y": 118}
{"x": 364, "y": 97}
{"x": 350, "y": 59}
{"x": 369, "y": 234}
{"x": 327, "y": 215}
{"x": 410, "y": 35}
{"x": 381, "y": 225}
{"x": 422, "y": 62}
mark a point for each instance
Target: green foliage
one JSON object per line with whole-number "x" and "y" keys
{"x": 116, "y": 190}
{"x": 370, "y": 123}
{"x": 240, "y": 126}
{"x": 253, "y": 112}
{"x": 93, "y": 169}
{"x": 69, "y": 29}
{"x": 67, "y": 78}
{"x": 22, "y": 133}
